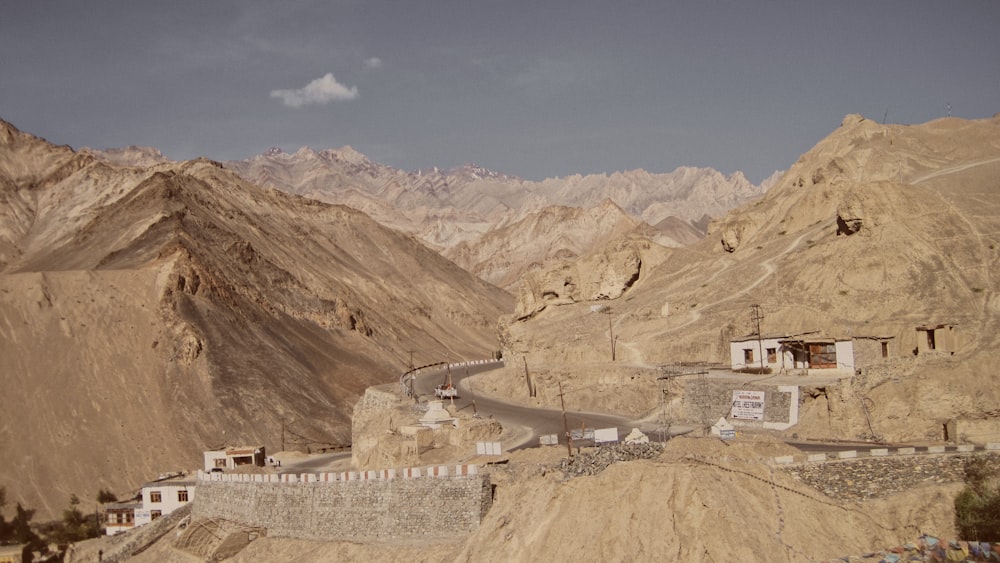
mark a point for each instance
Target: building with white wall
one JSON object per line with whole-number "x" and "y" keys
{"x": 805, "y": 354}
{"x": 157, "y": 498}
{"x": 753, "y": 353}
{"x": 235, "y": 456}
{"x": 163, "y": 496}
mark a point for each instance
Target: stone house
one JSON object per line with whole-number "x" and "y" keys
{"x": 938, "y": 338}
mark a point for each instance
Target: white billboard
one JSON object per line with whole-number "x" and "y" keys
{"x": 748, "y": 405}
{"x": 605, "y": 435}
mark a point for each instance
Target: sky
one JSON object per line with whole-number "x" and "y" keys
{"x": 534, "y": 89}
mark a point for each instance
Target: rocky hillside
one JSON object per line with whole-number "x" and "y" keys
{"x": 877, "y": 230}
{"x": 469, "y": 211}
{"x": 563, "y": 234}
{"x": 699, "y": 501}
{"x": 149, "y": 313}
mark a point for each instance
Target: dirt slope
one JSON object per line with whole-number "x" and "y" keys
{"x": 877, "y": 230}
{"x": 147, "y": 314}
{"x": 700, "y": 501}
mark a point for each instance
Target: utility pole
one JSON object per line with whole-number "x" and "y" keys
{"x": 562, "y": 403}
{"x": 527, "y": 378}
{"x": 755, "y": 317}
{"x": 611, "y": 331}
{"x": 475, "y": 413}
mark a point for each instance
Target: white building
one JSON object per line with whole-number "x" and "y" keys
{"x": 157, "y": 498}
{"x": 120, "y": 516}
{"x": 795, "y": 354}
{"x": 233, "y": 457}
{"x": 164, "y": 496}
{"x": 748, "y": 352}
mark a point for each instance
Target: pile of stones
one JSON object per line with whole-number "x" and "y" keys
{"x": 593, "y": 461}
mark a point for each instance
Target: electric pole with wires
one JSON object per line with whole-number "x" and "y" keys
{"x": 755, "y": 317}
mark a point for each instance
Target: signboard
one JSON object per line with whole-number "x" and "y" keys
{"x": 748, "y": 405}
{"x": 549, "y": 439}
{"x": 584, "y": 434}
{"x": 604, "y": 435}
{"x": 488, "y": 448}
{"x": 727, "y": 434}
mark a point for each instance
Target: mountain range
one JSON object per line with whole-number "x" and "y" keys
{"x": 148, "y": 313}
{"x": 151, "y": 309}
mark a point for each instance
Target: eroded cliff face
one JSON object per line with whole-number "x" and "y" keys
{"x": 600, "y": 276}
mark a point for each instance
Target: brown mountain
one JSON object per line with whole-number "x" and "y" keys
{"x": 876, "y": 231}
{"x": 147, "y": 314}
{"x": 467, "y": 206}
{"x": 563, "y": 234}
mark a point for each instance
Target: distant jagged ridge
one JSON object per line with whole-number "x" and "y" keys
{"x": 446, "y": 207}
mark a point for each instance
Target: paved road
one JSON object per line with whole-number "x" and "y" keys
{"x": 538, "y": 421}
{"x": 313, "y": 463}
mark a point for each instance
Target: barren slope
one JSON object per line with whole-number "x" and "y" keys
{"x": 877, "y": 230}
{"x": 149, "y": 314}
{"x": 700, "y": 501}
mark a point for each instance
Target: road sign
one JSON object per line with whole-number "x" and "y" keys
{"x": 748, "y": 405}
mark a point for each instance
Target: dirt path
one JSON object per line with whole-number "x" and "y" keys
{"x": 953, "y": 169}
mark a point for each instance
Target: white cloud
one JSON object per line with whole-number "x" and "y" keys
{"x": 373, "y": 63}
{"x": 323, "y": 90}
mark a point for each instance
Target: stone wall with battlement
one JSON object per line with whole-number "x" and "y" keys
{"x": 360, "y": 506}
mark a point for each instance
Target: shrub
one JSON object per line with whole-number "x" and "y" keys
{"x": 977, "y": 507}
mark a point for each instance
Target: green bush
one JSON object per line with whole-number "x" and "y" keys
{"x": 977, "y": 507}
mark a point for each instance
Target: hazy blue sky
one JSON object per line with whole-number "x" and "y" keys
{"x": 535, "y": 89}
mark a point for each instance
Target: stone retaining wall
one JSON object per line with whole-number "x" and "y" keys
{"x": 844, "y": 475}
{"x": 372, "y": 507}
{"x": 708, "y": 400}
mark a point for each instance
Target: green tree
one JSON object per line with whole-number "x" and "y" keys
{"x": 105, "y": 496}
{"x": 977, "y": 506}
{"x": 4, "y": 526}
{"x": 21, "y": 531}
{"x": 74, "y": 526}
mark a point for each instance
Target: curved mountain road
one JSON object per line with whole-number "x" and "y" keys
{"x": 535, "y": 422}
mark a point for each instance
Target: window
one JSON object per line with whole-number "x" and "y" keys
{"x": 822, "y": 356}
{"x": 155, "y": 496}
{"x": 182, "y": 496}
{"x": 930, "y": 340}
{"x": 220, "y": 462}
{"x": 154, "y": 514}
{"x": 747, "y": 356}
{"x": 772, "y": 355}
